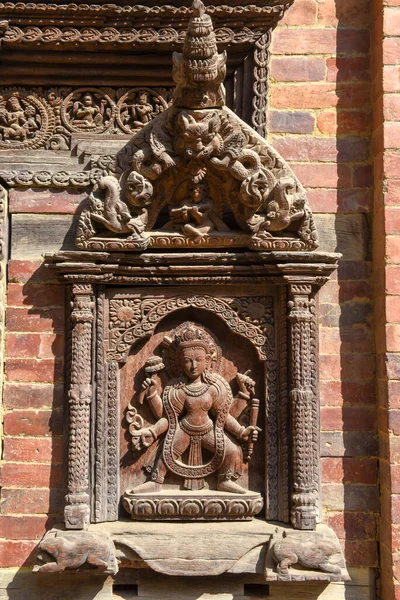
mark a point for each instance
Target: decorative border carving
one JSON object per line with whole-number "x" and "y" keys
{"x": 112, "y": 441}
{"x": 183, "y": 507}
{"x": 99, "y": 444}
{"x": 77, "y": 509}
{"x": 109, "y": 36}
{"x": 305, "y": 423}
{"x": 260, "y": 85}
{"x": 283, "y": 413}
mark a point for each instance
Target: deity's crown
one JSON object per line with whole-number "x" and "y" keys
{"x": 191, "y": 337}
{"x": 200, "y": 43}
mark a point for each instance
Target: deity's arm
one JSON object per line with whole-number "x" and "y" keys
{"x": 233, "y": 426}
{"x": 159, "y": 428}
{"x": 156, "y": 405}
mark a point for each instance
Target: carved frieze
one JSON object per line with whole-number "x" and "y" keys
{"x": 46, "y": 117}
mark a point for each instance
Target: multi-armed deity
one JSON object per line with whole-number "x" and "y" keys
{"x": 209, "y": 179}
{"x": 192, "y": 416}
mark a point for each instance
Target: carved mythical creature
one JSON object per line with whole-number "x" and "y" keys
{"x": 192, "y": 414}
{"x": 113, "y": 212}
{"x": 71, "y": 551}
{"x": 312, "y": 552}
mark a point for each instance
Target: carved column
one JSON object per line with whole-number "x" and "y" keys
{"x": 77, "y": 511}
{"x": 304, "y": 407}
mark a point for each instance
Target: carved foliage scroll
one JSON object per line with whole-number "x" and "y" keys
{"x": 77, "y": 511}
{"x": 304, "y": 411}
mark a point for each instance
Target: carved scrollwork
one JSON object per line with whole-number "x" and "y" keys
{"x": 122, "y": 338}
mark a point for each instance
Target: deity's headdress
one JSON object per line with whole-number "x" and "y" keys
{"x": 190, "y": 335}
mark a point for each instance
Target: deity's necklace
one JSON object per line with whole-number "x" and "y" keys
{"x": 196, "y": 389}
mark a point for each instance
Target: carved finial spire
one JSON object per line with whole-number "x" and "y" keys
{"x": 199, "y": 71}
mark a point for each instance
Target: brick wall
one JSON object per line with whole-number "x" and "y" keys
{"x": 386, "y": 245}
{"x": 320, "y": 116}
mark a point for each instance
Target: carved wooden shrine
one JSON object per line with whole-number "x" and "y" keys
{"x": 193, "y": 375}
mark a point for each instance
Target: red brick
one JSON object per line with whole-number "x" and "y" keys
{"x": 347, "y": 419}
{"x": 30, "y": 370}
{"x": 40, "y": 200}
{"x": 20, "y": 271}
{"x": 392, "y": 196}
{"x": 30, "y": 475}
{"x": 308, "y": 148}
{"x": 35, "y": 320}
{"x": 344, "y": 13}
{"x": 393, "y": 280}
{"x": 391, "y": 164}
{"x": 393, "y": 394}
{"x": 393, "y": 338}
{"x": 314, "y": 41}
{"x": 348, "y": 69}
{"x": 353, "y": 367}
{"x": 391, "y": 107}
{"x": 392, "y": 135}
{"x": 391, "y": 79}
{"x": 34, "y": 396}
{"x": 31, "y": 501}
{"x": 344, "y": 122}
{"x": 337, "y": 201}
{"x": 362, "y": 176}
{"x": 361, "y": 553}
{"x": 296, "y": 68}
{"x": 28, "y": 345}
{"x": 337, "y": 393}
{"x": 345, "y": 341}
{"x": 320, "y": 95}
{"x": 302, "y": 12}
{"x": 42, "y": 450}
{"x": 349, "y": 470}
{"x": 17, "y": 554}
{"x": 35, "y": 295}
{"x": 285, "y": 121}
{"x": 393, "y": 417}
{"x": 349, "y": 525}
{"x": 33, "y": 422}
{"x": 323, "y": 175}
{"x": 390, "y": 50}
{"x": 391, "y": 22}
{"x": 23, "y": 528}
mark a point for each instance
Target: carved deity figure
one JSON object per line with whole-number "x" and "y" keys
{"x": 193, "y": 414}
{"x": 140, "y": 113}
{"x": 17, "y": 122}
{"x": 86, "y": 113}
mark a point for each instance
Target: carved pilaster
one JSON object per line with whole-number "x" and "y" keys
{"x": 304, "y": 410}
{"x": 77, "y": 511}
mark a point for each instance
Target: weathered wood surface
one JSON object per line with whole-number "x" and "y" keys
{"x": 35, "y": 234}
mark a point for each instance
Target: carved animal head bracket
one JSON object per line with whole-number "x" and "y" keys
{"x": 199, "y": 177}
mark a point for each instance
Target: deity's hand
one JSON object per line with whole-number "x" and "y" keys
{"x": 246, "y": 385}
{"x": 167, "y": 160}
{"x": 250, "y": 431}
{"x": 149, "y": 387}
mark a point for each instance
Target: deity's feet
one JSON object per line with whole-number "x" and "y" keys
{"x": 227, "y": 485}
{"x": 148, "y": 487}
